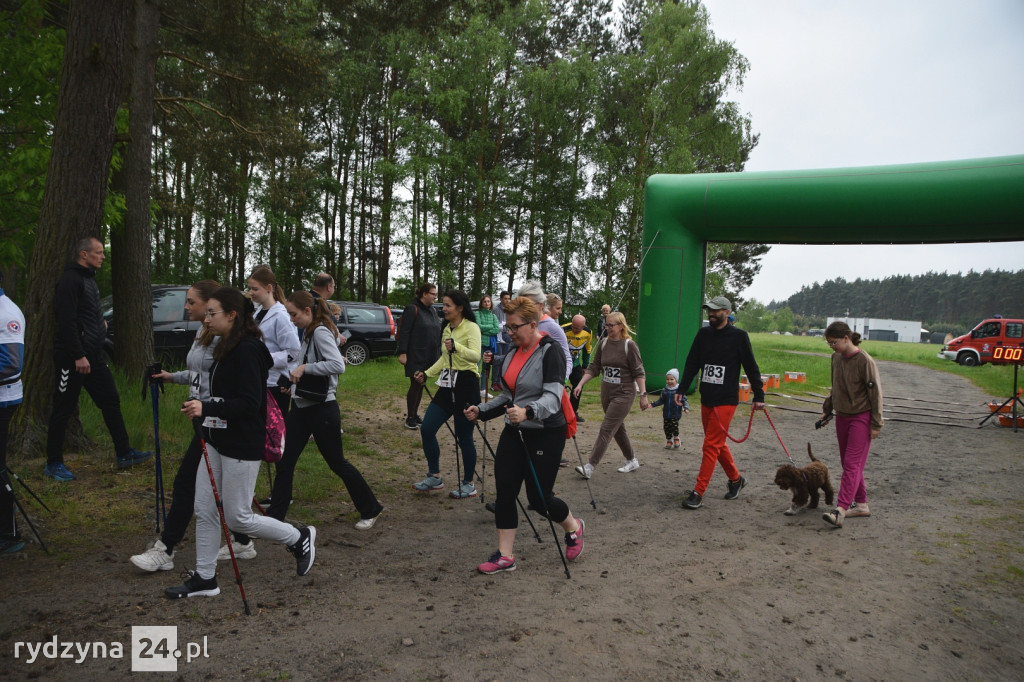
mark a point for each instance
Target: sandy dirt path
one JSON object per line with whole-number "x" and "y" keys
{"x": 931, "y": 586}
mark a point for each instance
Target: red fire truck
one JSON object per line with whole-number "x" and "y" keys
{"x": 996, "y": 340}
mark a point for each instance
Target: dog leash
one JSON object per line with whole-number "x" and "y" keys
{"x": 747, "y": 434}
{"x": 788, "y": 456}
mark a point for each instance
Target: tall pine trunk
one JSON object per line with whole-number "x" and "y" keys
{"x": 91, "y": 85}
{"x": 131, "y": 246}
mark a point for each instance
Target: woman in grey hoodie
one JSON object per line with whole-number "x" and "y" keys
{"x": 530, "y": 447}
{"x": 314, "y": 379}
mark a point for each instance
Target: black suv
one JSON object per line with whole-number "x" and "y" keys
{"x": 371, "y": 328}
{"x": 173, "y": 332}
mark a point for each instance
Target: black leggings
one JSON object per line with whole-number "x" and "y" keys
{"x": 412, "y": 398}
{"x": 575, "y": 377}
{"x": 8, "y": 527}
{"x": 323, "y": 421}
{"x": 511, "y": 469}
{"x": 284, "y": 400}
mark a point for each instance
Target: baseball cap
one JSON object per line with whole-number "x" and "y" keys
{"x": 719, "y": 303}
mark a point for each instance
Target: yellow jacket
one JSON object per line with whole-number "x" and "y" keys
{"x": 467, "y": 349}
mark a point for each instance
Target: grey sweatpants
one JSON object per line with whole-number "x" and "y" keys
{"x": 236, "y": 482}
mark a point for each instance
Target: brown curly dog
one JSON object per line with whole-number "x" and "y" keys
{"x": 805, "y": 483}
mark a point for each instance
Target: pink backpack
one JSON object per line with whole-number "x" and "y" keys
{"x": 275, "y": 431}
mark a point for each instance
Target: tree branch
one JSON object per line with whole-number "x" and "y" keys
{"x": 204, "y": 67}
{"x": 182, "y": 101}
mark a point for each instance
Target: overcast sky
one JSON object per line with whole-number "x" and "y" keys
{"x": 836, "y": 83}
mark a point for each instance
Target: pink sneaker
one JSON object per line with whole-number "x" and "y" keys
{"x": 497, "y": 563}
{"x": 574, "y": 542}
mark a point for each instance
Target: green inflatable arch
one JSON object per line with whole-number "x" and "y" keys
{"x": 957, "y": 201}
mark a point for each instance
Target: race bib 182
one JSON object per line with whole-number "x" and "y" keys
{"x": 612, "y": 375}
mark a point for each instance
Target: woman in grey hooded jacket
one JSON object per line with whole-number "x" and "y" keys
{"x": 533, "y": 381}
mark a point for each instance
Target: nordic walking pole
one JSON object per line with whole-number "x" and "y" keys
{"x": 592, "y": 503}
{"x": 197, "y": 425}
{"x": 155, "y": 386}
{"x": 458, "y": 457}
{"x": 544, "y": 501}
{"x": 521, "y": 506}
{"x": 160, "y": 506}
{"x": 483, "y": 460}
{"x": 5, "y": 479}
{"x": 27, "y": 489}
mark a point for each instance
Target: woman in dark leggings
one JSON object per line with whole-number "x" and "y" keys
{"x": 532, "y": 379}
{"x": 315, "y": 410}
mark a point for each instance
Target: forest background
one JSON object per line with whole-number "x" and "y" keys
{"x": 473, "y": 144}
{"x": 941, "y": 301}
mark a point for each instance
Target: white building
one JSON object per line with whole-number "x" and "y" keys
{"x": 874, "y": 329}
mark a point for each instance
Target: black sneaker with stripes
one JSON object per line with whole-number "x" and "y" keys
{"x": 304, "y": 550}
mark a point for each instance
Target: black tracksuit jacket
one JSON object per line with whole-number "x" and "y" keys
{"x": 80, "y": 327}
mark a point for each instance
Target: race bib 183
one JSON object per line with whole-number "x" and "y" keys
{"x": 713, "y": 374}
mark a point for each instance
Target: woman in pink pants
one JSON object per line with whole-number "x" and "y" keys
{"x": 856, "y": 397}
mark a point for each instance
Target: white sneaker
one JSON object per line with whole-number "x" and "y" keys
{"x": 155, "y": 558}
{"x": 858, "y": 510}
{"x": 835, "y": 517}
{"x": 247, "y": 551}
{"x": 586, "y": 470}
{"x": 367, "y": 524}
{"x": 631, "y": 465}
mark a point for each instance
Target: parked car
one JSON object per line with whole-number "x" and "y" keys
{"x": 996, "y": 340}
{"x": 370, "y": 328}
{"x": 173, "y": 332}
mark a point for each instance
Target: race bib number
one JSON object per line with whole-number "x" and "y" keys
{"x": 612, "y": 375}
{"x": 215, "y": 423}
{"x": 447, "y": 378}
{"x": 193, "y": 385}
{"x": 714, "y": 374}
